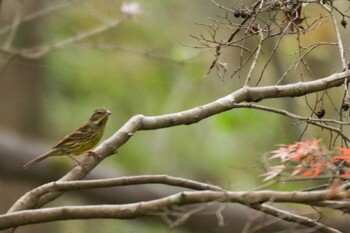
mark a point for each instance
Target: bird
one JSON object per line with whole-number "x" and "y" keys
{"x": 82, "y": 140}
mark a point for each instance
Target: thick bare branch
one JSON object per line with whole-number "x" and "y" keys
{"x": 157, "y": 207}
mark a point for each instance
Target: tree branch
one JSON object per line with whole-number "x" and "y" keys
{"x": 290, "y": 217}
{"x": 34, "y": 195}
{"x": 159, "y": 206}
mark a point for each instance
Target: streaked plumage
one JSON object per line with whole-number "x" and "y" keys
{"x": 82, "y": 140}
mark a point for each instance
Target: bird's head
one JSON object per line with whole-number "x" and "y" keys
{"x": 100, "y": 116}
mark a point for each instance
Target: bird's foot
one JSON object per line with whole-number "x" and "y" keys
{"x": 94, "y": 154}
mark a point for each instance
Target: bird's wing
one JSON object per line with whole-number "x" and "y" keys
{"x": 73, "y": 137}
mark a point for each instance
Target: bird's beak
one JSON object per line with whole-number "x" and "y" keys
{"x": 109, "y": 112}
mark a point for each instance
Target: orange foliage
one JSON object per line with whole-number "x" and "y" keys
{"x": 309, "y": 159}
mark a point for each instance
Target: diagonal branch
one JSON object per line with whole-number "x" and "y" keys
{"x": 291, "y": 217}
{"x": 37, "y": 52}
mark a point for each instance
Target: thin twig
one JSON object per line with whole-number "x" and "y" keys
{"x": 37, "y": 52}
{"x": 255, "y": 59}
{"x": 38, "y": 14}
{"x": 291, "y": 217}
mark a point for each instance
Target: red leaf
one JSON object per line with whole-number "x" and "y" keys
{"x": 282, "y": 153}
{"x": 345, "y": 150}
{"x": 298, "y": 151}
{"x": 307, "y": 173}
{"x": 345, "y": 175}
{"x": 345, "y": 156}
{"x": 342, "y": 157}
{"x": 318, "y": 171}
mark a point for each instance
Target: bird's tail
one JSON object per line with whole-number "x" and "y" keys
{"x": 39, "y": 158}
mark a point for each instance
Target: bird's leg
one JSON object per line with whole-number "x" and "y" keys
{"x": 70, "y": 156}
{"x": 78, "y": 163}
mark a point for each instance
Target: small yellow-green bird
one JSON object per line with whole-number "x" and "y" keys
{"x": 81, "y": 140}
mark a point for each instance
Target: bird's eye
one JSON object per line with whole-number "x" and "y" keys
{"x": 96, "y": 115}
